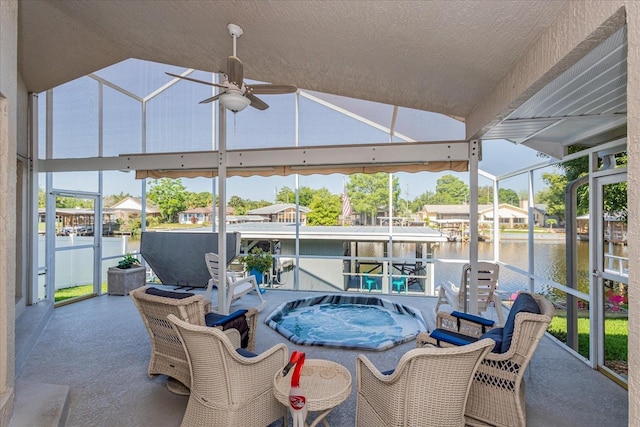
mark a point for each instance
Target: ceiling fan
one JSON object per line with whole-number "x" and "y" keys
{"x": 235, "y": 95}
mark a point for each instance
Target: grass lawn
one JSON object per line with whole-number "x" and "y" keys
{"x": 616, "y": 336}
{"x": 76, "y": 291}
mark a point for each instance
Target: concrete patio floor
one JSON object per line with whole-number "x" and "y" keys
{"x": 89, "y": 368}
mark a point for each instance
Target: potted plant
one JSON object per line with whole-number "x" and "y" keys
{"x": 257, "y": 262}
{"x": 126, "y": 276}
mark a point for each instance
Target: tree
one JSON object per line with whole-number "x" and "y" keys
{"x": 170, "y": 196}
{"x": 368, "y": 192}
{"x": 287, "y": 195}
{"x": 553, "y": 196}
{"x": 73, "y": 202}
{"x": 451, "y": 190}
{"x": 42, "y": 198}
{"x": 509, "y": 196}
{"x": 615, "y": 197}
{"x": 238, "y": 204}
{"x": 424, "y": 199}
{"x": 306, "y": 195}
{"x": 325, "y": 208}
{"x": 198, "y": 200}
{"x": 485, "y": 195}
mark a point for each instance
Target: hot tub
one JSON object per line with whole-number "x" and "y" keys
{"x": 346, "y": 321}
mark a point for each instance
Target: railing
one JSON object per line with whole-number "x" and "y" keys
{"x": 616, "y": 265}
{"x": 411, "y": 276}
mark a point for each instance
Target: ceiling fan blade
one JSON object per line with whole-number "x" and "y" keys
{"x": 213, "y": 98}
{"x": 268, "y": 89}
{"x": 256, "y": 102}
{"x": 235, "y": 71}
{"x": 194, "y": 80}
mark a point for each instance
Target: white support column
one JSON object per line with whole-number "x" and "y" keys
{"x": 530, "y": 228}
{"x": 222, "y": 208}
{"x": 296, "y": 267}
{"x": 496, "y": 222}
{"x": 32, "y": 264}
{"x": 474, "y": 158}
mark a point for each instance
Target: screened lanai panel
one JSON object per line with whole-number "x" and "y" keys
{"x": 75, "y": 114}
{"x": 321, "y": 125}
{"x": 376, "y": 112}
{"x": 176, "y": 122}
{"x": 273, "y": 127}
{"x": 122, "y": 123}
{"x": 500, "y": 157}
{"x": 427, "y": 126}
{"x": 117, "y": 183}
{"x": 76, "y": 181}
{"x": 141, "y": 78}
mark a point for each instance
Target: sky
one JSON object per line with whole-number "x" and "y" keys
{"x": 176, "y": 122}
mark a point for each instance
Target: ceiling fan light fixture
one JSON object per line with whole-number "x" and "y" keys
{"x": 234, "y": 101}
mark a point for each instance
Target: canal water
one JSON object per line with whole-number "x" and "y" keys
{"x": 549, "y": 258}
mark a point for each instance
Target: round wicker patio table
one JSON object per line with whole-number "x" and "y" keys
{"x": 326, "y": 384}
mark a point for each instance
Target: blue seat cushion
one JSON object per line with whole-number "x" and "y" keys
{"x": 245, "y": 353}
{"x": 451, "y": 337}
{"x": 215, "y": 319}
{"x": 524, "y": 303}
{"x": 168, "y": 294}
{"x": 389, "y": 372}
{"x": 235, "y": 320}
{"x": 496, "y": 335}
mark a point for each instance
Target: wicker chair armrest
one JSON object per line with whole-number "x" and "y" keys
{"x": 252, "y": 322}
{"x": 423, "y": 339}
{"x": 279, "y": 353}
{"x": 234, "y": 337}
{"x": 365, "y": 366}
{"x": 385, "y": 393}
{"x": 253, "y": 375}
{"x": 453, "y": 323}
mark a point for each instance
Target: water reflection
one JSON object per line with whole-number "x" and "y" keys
{"x": 549, "y": 261}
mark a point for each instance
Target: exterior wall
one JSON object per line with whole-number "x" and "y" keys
{"x": 633, "y": 185}
{"x": 8, "y": 128}
{"x": 580, "y": 27}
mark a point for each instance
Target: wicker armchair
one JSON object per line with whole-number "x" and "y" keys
{"x": 497, "y": 395}
{"x": 458, "y": 297}
{"x": 167, "y": 354}
{"x": 228, "y": 389}
{"x": 429, "y": 387}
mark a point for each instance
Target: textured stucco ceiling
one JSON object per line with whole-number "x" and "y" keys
{"x": 442, "y": 56}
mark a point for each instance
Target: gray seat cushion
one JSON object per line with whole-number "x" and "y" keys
{"x": 168, "y": 294}
{"x": 524, "y": 303}
{"x": 495, "y": 334}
